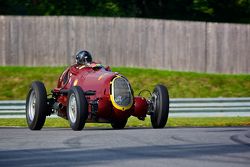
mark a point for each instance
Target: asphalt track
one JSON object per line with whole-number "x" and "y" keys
{"x": 201, "y": 147}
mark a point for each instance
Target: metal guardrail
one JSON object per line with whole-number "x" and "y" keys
{"x": 209, "y": 107}
{"x": 179, "y": 107}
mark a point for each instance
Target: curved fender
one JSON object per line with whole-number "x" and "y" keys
{"x": 140, "y": 107}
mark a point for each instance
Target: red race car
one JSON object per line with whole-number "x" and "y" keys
{"x": 89, "y": 92}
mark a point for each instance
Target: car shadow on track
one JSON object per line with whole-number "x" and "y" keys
{"x": 105, "y": 156}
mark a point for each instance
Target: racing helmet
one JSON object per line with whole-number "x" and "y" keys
{"x": 83, "y": 57}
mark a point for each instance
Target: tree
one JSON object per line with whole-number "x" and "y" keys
{"x": 203, "y": 10}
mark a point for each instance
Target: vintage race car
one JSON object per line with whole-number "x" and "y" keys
{"x": 90, "y": 92}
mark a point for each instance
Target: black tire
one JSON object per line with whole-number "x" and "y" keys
{"x": 160, "y": 112}
{"x": 36, "y": 106}
{"x": 77, "y": 108}
{"x": 119, "y": 124}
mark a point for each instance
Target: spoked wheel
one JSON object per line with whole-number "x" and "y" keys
{"x": 119, "y": 124}
{"x": 160, "y": 107}
{"x": 77, "y": 108}
{"x": 36, "y": 106}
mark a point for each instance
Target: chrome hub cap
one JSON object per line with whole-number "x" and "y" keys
{"x": 72, "y": 108}
{"x": 32, "y": 106}
{"x": 153, "y": 103}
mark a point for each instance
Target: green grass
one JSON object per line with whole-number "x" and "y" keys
{"x": 15, "y": 81}
{"x": 134, "y": 122}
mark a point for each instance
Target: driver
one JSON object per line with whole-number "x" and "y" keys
{"x": 83, "y": 57}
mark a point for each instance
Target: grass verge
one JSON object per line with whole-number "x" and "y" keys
{"x": 15, "y": 81}
{"x": 134, "y": 122}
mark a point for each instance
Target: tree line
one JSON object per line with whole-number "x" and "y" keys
{"x": 237, "y": 11}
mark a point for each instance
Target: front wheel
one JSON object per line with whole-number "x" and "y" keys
{"x": 36, "y": 106}
{"x": 77, "y": 108}
{"x": 160, "y": 106}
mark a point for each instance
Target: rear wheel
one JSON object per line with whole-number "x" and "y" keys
{"x": 77, "y": 108}
{"x": 160, "y": 107}
{"x": 36, "y": 106}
